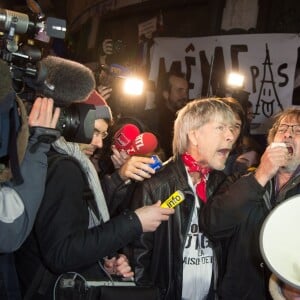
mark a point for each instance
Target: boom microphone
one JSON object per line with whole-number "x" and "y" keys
{"x": 143, "y": 144}
{"x": 67, "y": 81}
{"x": 125, "y": 136}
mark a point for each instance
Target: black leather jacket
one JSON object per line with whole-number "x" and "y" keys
{"x": 158, "y": 256}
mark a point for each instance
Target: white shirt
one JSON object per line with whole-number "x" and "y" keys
{"x": 197, "y": 259}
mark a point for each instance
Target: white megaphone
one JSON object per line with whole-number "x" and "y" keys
{"x": 280, "y": 241}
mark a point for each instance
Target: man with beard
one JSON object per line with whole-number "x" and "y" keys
{"x": 233, "y": 217}
{"x": 172, "y": 96}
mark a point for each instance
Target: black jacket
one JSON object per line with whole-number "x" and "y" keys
{"x": 158, "y": 256}
{"x": 236, "y": 215}
{"x": 61, "y": 241}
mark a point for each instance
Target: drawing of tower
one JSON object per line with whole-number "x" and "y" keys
{"x": 267, "y": 97}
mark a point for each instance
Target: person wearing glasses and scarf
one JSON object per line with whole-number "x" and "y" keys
{"x": 73, "y": 231}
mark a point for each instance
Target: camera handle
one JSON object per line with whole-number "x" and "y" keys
{"x": 44, "y": 135}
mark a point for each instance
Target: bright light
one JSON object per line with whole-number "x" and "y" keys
{"x": 235, "y": 80}
{"x": 133, "y": 86}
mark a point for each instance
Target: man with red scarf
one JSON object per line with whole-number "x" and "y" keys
{"x": 178, "y": 257}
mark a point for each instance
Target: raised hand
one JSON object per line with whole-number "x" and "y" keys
{"x": 42, "y": 114}
{"x": 151, "y": 216}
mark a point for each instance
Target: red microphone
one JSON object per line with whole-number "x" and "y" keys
{"x": 125, "y": 136}
{"x": 143, "y": 144}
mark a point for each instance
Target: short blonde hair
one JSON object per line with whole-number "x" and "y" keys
{"x": 194, "y": 115}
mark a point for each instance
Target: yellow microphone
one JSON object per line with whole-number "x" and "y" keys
{"x": 175, "y": 199}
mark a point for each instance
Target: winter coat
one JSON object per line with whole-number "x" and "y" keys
{"x": 61, "y": 240}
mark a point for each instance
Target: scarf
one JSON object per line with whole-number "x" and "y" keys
{"x": 72, "y": 149}
{"x": 193, "y": 166}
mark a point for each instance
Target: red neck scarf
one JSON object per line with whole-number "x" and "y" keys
{"x": 193, "y": 166}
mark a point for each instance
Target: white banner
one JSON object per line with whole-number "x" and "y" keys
{"x": 268, "y": 62}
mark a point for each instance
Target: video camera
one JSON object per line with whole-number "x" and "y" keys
{"x": 29, "y": 74}
{"x": 23, "y": 58}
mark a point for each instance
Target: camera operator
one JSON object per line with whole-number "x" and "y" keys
{"x": 19, "y": 202}
{"x": 73, "y": 231}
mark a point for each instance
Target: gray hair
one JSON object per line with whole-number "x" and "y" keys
{"x": 194, "y": 115}
{"x": 288, "y": 114}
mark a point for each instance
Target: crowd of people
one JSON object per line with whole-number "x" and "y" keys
{"x": 64, "y": 215}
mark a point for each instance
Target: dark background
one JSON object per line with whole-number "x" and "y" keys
{"x": 181, "y": 18}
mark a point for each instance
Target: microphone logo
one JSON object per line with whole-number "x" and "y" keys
{"x": 139, "y": 143}
{"x": 175, "y": 199}
{"x": 121, "y": 140}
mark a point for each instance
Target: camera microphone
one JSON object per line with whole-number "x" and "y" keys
{"x": 67, "y": 81}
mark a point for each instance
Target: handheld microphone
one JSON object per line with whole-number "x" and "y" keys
{"x": 175, "y": 199}
{"x": 289, "y": 148}
{"x": 125, "y": 136}
{"x": 157, "y": 163}
{"x": 143, "y": 144}
{"x": 66, "y": 81}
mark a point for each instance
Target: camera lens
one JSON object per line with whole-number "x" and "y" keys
{"x": 76, "y": 122}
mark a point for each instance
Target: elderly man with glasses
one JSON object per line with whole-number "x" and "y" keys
{"x": 234, "y": 216}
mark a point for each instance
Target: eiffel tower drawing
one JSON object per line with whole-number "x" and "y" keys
{"x": 267, "y": 98}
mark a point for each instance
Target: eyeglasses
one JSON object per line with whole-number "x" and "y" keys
{"x": 103, "y": 134}
{"x": 283, "y": 128}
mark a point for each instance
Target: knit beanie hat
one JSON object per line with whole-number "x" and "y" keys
{"x": 103, "y": 111}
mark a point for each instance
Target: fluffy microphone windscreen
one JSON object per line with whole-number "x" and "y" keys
{"x": 72, "y": 81}
{"x": 5, "y": 80}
